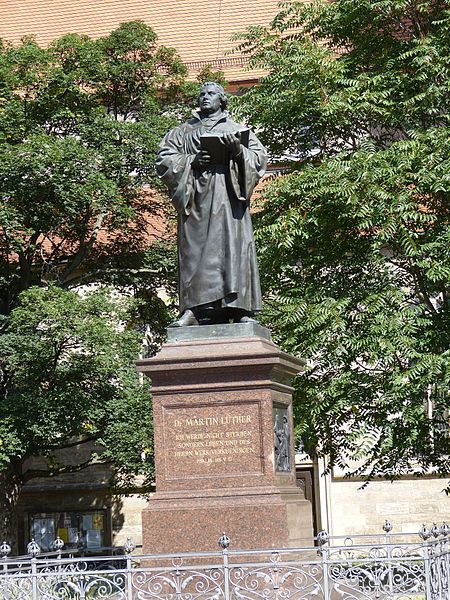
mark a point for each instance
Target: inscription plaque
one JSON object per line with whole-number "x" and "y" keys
{"x": 205, "y": 440}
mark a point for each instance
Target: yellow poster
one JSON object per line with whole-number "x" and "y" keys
{"x": 63, "y": 534}
{"x": 97, "y": 522}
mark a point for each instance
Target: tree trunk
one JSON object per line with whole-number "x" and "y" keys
{"x": 10, "y": 488}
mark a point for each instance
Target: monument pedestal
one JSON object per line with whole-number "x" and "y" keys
{"x": 224, "y": 454}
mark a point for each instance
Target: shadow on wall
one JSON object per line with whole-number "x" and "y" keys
{"x": 117, "y": 516}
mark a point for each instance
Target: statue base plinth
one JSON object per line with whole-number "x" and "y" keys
{"x": 217, "y": 392}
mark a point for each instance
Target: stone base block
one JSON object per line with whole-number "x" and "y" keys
{"x": 251, "y": 520}
{"x": 299, "y": 519}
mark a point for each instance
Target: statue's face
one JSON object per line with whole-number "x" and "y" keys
{"x": 209, "y": 99}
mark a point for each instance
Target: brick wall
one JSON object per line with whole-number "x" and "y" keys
{"x": 200, "y": 31}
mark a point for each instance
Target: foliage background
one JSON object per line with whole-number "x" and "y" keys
{"x": 354, "y": 241}
{"x": 81, "y": 260}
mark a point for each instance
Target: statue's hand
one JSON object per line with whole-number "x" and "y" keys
{"x": 202, "y": 159}
{"x": 233, "y": 143}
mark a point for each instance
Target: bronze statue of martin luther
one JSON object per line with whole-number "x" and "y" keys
{"x": 211, "y": 166}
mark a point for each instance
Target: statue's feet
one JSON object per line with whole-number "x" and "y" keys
{"x": 247, "y": 319}
{"x": 186, "y": 320}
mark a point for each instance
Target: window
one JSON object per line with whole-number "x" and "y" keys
{"x": 77, "y": 529}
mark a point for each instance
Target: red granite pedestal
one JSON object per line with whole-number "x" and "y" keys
{"x": 216, "y": 401}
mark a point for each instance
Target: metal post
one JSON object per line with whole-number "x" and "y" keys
{"x": 129, "y": 579}
{"x": 33, "y": 550}
{"x": 424, "y": 534}
{"x": 224, "y": 542}
{"x": 5, "y": 550}
{"x": 129, "y": 547}
{"x": 322, "y": 540}
{"x": 445, "y": 530}
{"x": 5, "y": 581}
{"x": 82, "y": 588}
{"x": 325, "y": 568}
{"x": 34, "y": 578}
{"x": 5, "y": 577}
{"x": 439, "y": 552}
{"x": 58, "y": 545}
{"x": 387, "y": 528}
{"x": 435, "y": 565}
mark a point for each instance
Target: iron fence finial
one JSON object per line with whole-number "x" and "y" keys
{"x": 129, "y": 546}
{"x": 435, "y": 531}
{"x": 387, "y": 526}
{"x": 58, "y": 544}
{"x": 33, "y": 548}
{"x": 224, "y": 541}
{"x": 5, "y": 549}
{"x": 322, "y": 537}
{"x": 425, "y": 533}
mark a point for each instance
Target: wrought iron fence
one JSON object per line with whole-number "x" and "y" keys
{"x": 336, "y": 569}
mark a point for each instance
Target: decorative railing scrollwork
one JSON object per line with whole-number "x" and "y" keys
{"x": 343, "y": 569}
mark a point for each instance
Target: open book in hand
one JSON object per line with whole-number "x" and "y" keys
{"x": 213, "y": 144}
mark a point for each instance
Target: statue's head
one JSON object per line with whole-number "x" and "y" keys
{"x": 212, "y": 97}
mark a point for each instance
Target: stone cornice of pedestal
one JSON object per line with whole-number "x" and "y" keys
{"x": 184, "y": 364}
{"x": 223, "y": 493}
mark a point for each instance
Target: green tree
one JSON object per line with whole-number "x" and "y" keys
{"x": 354, "y": 240}
{"x": 79, "y": 127}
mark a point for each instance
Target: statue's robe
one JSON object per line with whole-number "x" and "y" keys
{"x": 216, "y": 249}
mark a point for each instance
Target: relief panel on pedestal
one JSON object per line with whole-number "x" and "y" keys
{"x": 282, "y": 439}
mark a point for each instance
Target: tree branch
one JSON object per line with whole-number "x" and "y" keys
{"x": 84, "y": 248}
{"x": 420, "y": 288}
{"x": 74, "y": 444}
{"x": 93, "y": 275}
{"x": 60, "y": 470}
